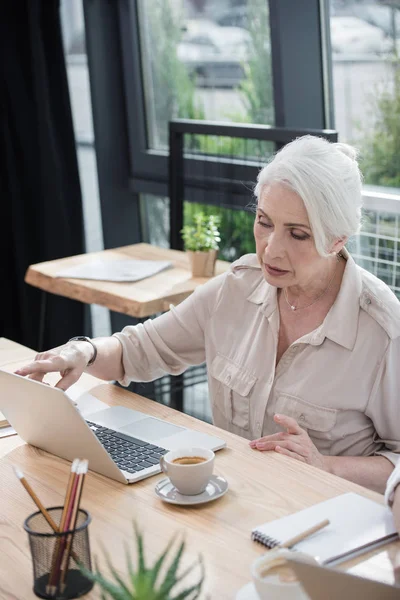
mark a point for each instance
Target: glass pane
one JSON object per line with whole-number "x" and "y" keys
{"x": 365, "y": 36}
{"x": 205, "y": 60}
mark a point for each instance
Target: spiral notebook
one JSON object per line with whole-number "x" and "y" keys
{"x": 357, "y": 525}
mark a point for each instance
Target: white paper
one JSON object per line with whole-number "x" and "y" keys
{"x": 116, "y": 270}
{"x": 7, "y": 431}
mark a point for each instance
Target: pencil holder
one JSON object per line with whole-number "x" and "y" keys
{"x": 57, "y": 557}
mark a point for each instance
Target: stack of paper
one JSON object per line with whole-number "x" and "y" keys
{"x": 116, "y": 270}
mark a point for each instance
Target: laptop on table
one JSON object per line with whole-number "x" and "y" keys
{"x": 120, "y": 443}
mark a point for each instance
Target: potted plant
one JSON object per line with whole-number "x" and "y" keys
{"x": 201, "y": 242}
{"x": 158, "y": 582}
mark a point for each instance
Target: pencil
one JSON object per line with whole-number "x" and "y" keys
{"x": 302, "y": 536}
{"x": 40, "y": 505}
{"x": 82, "y": 470}
{"x": 36, "y": 500}
{"x": 51, "y": 587}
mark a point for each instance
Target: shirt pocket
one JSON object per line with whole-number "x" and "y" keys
{"x": 235, "y": 385}
{"x": 319, "y": 421}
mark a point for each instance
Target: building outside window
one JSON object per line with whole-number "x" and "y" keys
{"x": 204, "y": 60}
{"x": 365, "y": 39}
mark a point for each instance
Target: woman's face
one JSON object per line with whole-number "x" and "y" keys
{"x": 284, "y": 243}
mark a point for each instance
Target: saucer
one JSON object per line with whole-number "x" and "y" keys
{"x": 247, "y": 592}
{"x": 216, "y": 487}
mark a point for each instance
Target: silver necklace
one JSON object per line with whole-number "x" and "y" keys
{"x": 318, "y": 297}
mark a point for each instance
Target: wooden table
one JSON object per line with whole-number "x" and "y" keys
{"x": 262, "y": 487}
{"x": 139, "y": 299}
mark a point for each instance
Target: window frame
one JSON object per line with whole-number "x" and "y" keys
{"x": 298, "y": 103}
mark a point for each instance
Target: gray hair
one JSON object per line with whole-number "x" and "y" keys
{"x": 327, "y": 178}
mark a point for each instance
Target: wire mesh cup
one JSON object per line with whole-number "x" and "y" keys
{"x": 57, "y": 557}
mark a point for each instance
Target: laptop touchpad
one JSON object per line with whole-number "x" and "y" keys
{"x": 150, "y": 429}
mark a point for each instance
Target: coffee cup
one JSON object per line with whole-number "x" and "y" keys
{"x": 273, "y": 577}
{"x": 189, "y": 469}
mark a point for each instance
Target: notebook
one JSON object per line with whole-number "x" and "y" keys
{"x": 357, "y": 524}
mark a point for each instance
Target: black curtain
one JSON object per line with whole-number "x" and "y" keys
{"x": 41, "y": 203}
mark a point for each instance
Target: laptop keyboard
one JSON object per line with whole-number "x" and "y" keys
{"x": 129, "y": 453}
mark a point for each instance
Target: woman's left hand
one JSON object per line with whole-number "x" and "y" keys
{"x": 294, "y": 442}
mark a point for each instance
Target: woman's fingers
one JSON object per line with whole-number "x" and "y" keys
{"x": 275, "y": 437}
{"x": 68, "y": 379}
{"x": 37, "y": 376}
{"x": 290, "y": 424}
{"x": 290, "y": 445}
{"x": 42, "y": 366}
{"x": 287, "y": 452}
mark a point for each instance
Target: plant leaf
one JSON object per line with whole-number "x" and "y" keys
{"x": 170, "y": 577}
{"x": 156, "y": 569}
{"x": 113, "y": 590}
{"x": 185, "y": 593}
{"x": 116, "y": 575}
{"x": 139, "y": 542}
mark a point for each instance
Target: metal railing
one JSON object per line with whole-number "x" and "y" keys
{"x": 213, "y": 170}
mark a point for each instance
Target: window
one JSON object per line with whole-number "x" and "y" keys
{"x": 204, "y": 60}
{"x": 365, "y": 38}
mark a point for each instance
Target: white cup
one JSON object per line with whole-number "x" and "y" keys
{"x": 271, "y": 574}
{"x": 189, "y": 479}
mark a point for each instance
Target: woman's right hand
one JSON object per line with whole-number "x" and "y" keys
{"x": 70, "y": 360}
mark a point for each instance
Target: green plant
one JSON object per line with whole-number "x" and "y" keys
{"x": 158, "y": 582}
{"x": 203, "y": 235}
{"x": 235, "y": 227}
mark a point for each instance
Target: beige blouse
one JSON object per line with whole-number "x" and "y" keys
{"x": 341, "y": 382}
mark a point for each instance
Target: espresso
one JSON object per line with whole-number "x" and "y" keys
{"x": 189, "y": 460}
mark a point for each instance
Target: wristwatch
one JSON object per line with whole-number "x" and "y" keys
{"x": 84, "y": 338}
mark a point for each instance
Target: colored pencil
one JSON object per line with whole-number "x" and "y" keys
{"x": 52, "y": 585}
{"x": 83, "y": 468}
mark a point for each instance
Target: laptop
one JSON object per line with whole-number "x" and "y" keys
{"x": 119, "y": 442}
{"x": 326, "y": 583}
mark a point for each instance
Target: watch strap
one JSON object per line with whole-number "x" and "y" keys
{"x": 84, "y": 338}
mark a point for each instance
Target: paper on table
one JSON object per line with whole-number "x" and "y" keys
{"x": 7, "y": 431}
{"x": 116, "y": 270}
{"x": 3, "y": 420}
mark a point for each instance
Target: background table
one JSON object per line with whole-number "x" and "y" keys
{"x": 262, "y": 487}
{"x": 139, "y": 299}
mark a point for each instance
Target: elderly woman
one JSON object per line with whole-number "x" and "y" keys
{"x": 302, "y": 345}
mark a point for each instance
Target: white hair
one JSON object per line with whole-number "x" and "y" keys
{"x": 327, "y": 178}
